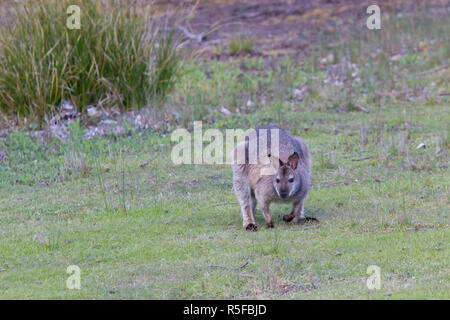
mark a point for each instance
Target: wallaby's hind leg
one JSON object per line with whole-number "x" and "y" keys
{"x": 264, "y": 205}
{"x": 248, "y": 221}
{"x": 242, "y": 191}
{"x": 266, "y": 212}
{"x": 254, "y": 202}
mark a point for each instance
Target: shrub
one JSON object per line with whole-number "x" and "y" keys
{"x": 117, "y": 57}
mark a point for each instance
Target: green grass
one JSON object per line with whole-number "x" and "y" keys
{"x": 152, "y": 231}
{"x": 161, "y": 244}
{"x": 117, "y": 57}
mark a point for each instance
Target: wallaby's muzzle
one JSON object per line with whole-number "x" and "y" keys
{"x": 284, "y": 194}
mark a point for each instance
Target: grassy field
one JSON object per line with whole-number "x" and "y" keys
{"x": 140, "y": 227}
{"x": 151, "y": 232}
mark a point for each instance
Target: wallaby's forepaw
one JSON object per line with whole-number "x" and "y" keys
{"x": 269, "y": 224}
{"x": 251, "y": 227}
{"x": 288, "y": 217}
{"x": 306, "y": 220}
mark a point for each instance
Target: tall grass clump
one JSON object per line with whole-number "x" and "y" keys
{"x": 241, "y": 45}
{"x": 119, "y": 56}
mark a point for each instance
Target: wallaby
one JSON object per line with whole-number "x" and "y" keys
{"x": 262, "y": 175}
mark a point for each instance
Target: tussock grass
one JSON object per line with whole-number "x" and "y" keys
{"x": 119, "y": 56}
{"x": 240, "y": 44}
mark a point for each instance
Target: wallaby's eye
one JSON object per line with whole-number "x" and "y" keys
{"x": 291, "y": 180}
{"x": 277, "y": 180}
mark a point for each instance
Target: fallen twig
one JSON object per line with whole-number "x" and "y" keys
{"x": 331, "y": 184}
{"x": 228, "y": 268}
{"x": 364, "y": 158}
{"x": 218, "y": 266}
{"x": 217, "y": 205}
{"x": 305, "y": 285}
{"x": 359, "y": 108}
{"x": 199, "y": 37}
{"x": 432, "y": 70}
{"x": 146, "y": 163}
{"x": 312, "y": 227}
{"x": 245, "y": 275}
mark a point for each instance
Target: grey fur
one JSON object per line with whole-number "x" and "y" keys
{"x": 288, "y": 181}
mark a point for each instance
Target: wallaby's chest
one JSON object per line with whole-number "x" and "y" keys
{"x": 256, "y": 178}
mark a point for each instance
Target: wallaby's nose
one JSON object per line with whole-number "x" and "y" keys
{"x": 284, "y": 194}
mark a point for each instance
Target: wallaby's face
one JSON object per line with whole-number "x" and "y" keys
{"x": 286, "y": 181}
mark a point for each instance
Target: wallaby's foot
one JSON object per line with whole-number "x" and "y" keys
{"x": 269, "y": 224}
{"x": 251, "y": 227}
{"x": 288, "y": 217}
{"x": 305, "y": 220}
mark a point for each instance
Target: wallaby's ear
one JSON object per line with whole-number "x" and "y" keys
{"x": 276, "y": 163}
{"x": 293, "y": 160}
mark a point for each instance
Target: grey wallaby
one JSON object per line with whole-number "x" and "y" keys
{"x": 267, "y": 170}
